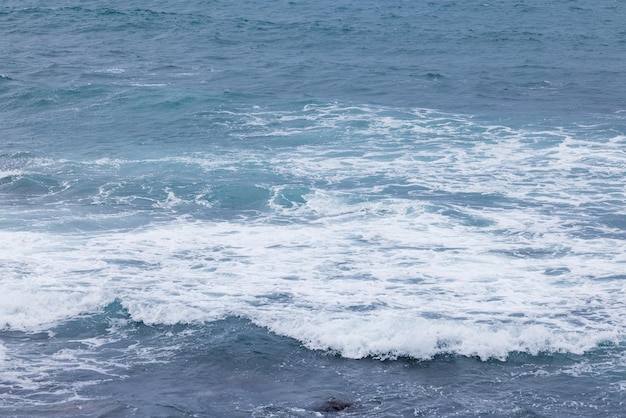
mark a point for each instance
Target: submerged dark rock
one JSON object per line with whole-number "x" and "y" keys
{"x": 333, "y": 405}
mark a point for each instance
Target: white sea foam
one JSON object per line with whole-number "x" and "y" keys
{"x": 111, "y": 70}
{"x": 421, "y": 233}
{"x": 445, "y": 152}
{"x": 148, "y": 84}
{"x": 357, "y": 281}
{"x": 10, "y": 173}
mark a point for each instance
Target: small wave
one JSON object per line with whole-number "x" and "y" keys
{"x": 171, "y": 201}
{"x": 10, "y": 175}
{"x": 393, "y": 335}
{"x": 111, "y": 70}
{"x": 149, "y": 84}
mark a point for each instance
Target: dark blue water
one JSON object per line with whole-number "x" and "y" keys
{"x": 296, "y": 209}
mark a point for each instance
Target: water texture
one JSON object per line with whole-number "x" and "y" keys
{"x": 296, "y": 209}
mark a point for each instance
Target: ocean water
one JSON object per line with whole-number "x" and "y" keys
{"x": 310, "y": 209}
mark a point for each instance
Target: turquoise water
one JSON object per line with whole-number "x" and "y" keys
{"x": 259, "y": 209}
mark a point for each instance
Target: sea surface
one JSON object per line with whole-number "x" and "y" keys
{"x": 342, "y": 208}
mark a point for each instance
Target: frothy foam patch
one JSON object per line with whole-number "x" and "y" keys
{"x": 475, "y": 239}
{"x": 359, "y": 282}
{"x": 371, "y": 152}
{"x": 444, "y": 152}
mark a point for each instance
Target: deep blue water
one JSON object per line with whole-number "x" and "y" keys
{"x": 261, "y": 208}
